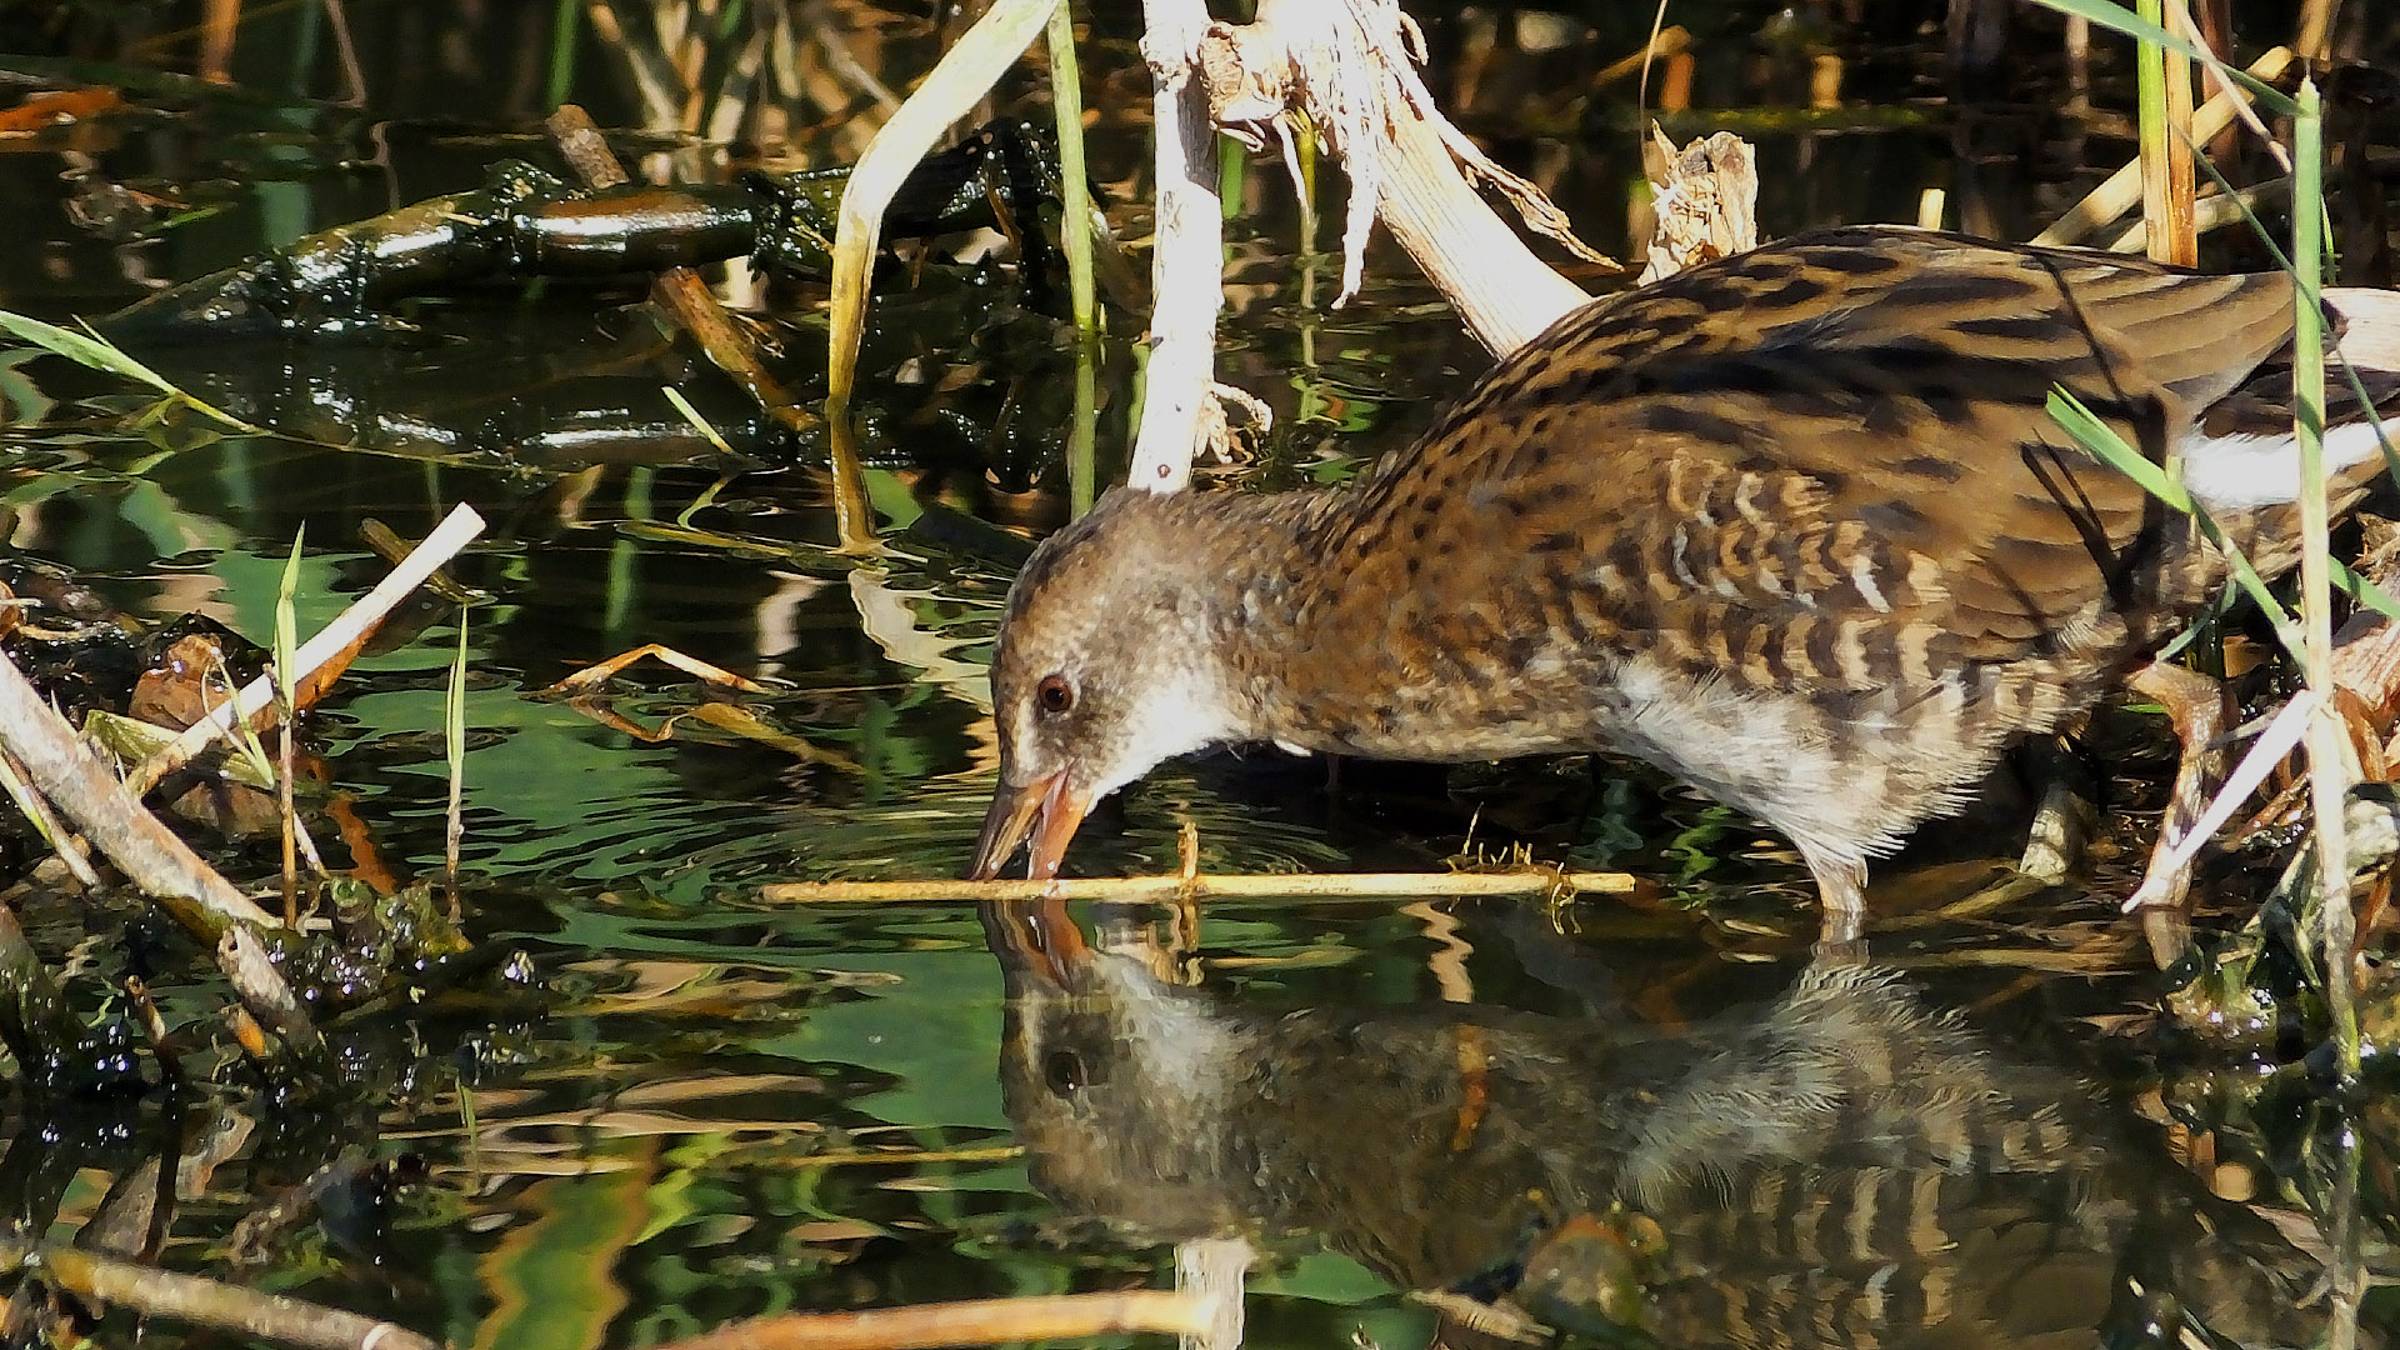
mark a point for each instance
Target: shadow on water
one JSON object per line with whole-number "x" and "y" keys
{"x": 1651, "y": 1112}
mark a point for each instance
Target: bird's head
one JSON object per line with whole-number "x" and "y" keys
{"x": 1106, "y": 664}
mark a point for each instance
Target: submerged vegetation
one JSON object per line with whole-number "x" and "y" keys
{"x": 390, "y": 955}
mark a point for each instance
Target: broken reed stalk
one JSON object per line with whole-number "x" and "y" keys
{"x": 2122, "y": 190}
{"x": 680, "y": 291}
{"x": 1349, "y": 66}
{"x": 209, "y": 1303}
{"x": 2183, "y": 185}
{"x": 1075, "y": 184}
{"x": 1213, "y": 1271}
{"x": 993, "y": 1321}
{"x": 1238, "y": 886}
{"x": 2328, "y": 767}
{"x": 964, "y": 75}
{"x": 336, "y": 639}
{"x": 2315, "y": 38}
{"x": 112, "y": 819}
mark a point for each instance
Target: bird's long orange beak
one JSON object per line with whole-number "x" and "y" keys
{"x": 1015, "y": 809}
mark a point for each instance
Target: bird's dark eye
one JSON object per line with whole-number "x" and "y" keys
{"x": 1063, "y": 1071}
{"x": 1054, "y": 695}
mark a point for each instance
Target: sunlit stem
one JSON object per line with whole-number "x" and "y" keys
{"x": 2181, "y": 242}
{"x": 853, "y": 510}
{"x": 2328, "y": 770}
{"x": 2150, "y": 90}
{"x": 1075, "y": 186}
{"x": 454, "y": 739}
{"x": 1083, "y": 474}
{"x": 287, "y": 643}
{"x": 564, "y": 25}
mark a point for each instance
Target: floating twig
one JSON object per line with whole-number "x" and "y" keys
{"x": 1234, "y": 886}
{"x": 991, "y": 1321}
{"x": 600, "y": 672}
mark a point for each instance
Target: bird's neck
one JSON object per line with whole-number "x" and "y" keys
{"x": 1283, "y": 616}
{"x": 1253, "y": 563}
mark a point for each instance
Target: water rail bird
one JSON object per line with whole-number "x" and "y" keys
{"x": 1795, "y": 526}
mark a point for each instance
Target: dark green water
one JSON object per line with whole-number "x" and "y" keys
{"x": 1987, "y": 1143}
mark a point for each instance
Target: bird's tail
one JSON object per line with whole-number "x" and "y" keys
{"x": 2244, "y": 456}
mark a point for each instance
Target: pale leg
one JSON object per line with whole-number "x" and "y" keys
{"x": 2195, "y": 704}
{"x": 1842, "y": 890}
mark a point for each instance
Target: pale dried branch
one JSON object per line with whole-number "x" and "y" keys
{"x": 61, "y": 768}
{"x": 1350, "y": 68}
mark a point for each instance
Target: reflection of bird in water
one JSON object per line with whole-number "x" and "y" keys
{"x": 1841, "y": 1166}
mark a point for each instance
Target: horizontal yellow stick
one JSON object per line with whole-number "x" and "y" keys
{"x": 1279, "y": 886}
{"x": 992, "y": 1321}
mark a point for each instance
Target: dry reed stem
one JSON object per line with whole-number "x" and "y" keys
{"x": 994, "y": 1321}
{"x": 1233, "y": 886}
{"x": 2178, "y": 240}
{"x": 1672, "y": 40}
{"x": 600, "y": 672}
{"x": 1211, "y": 1272}
{"x": 2315, "y": 38}
{"x": 2212, "y": 212}
{"x": 334, "y": 639}
{"x": 2122, "y": 190}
